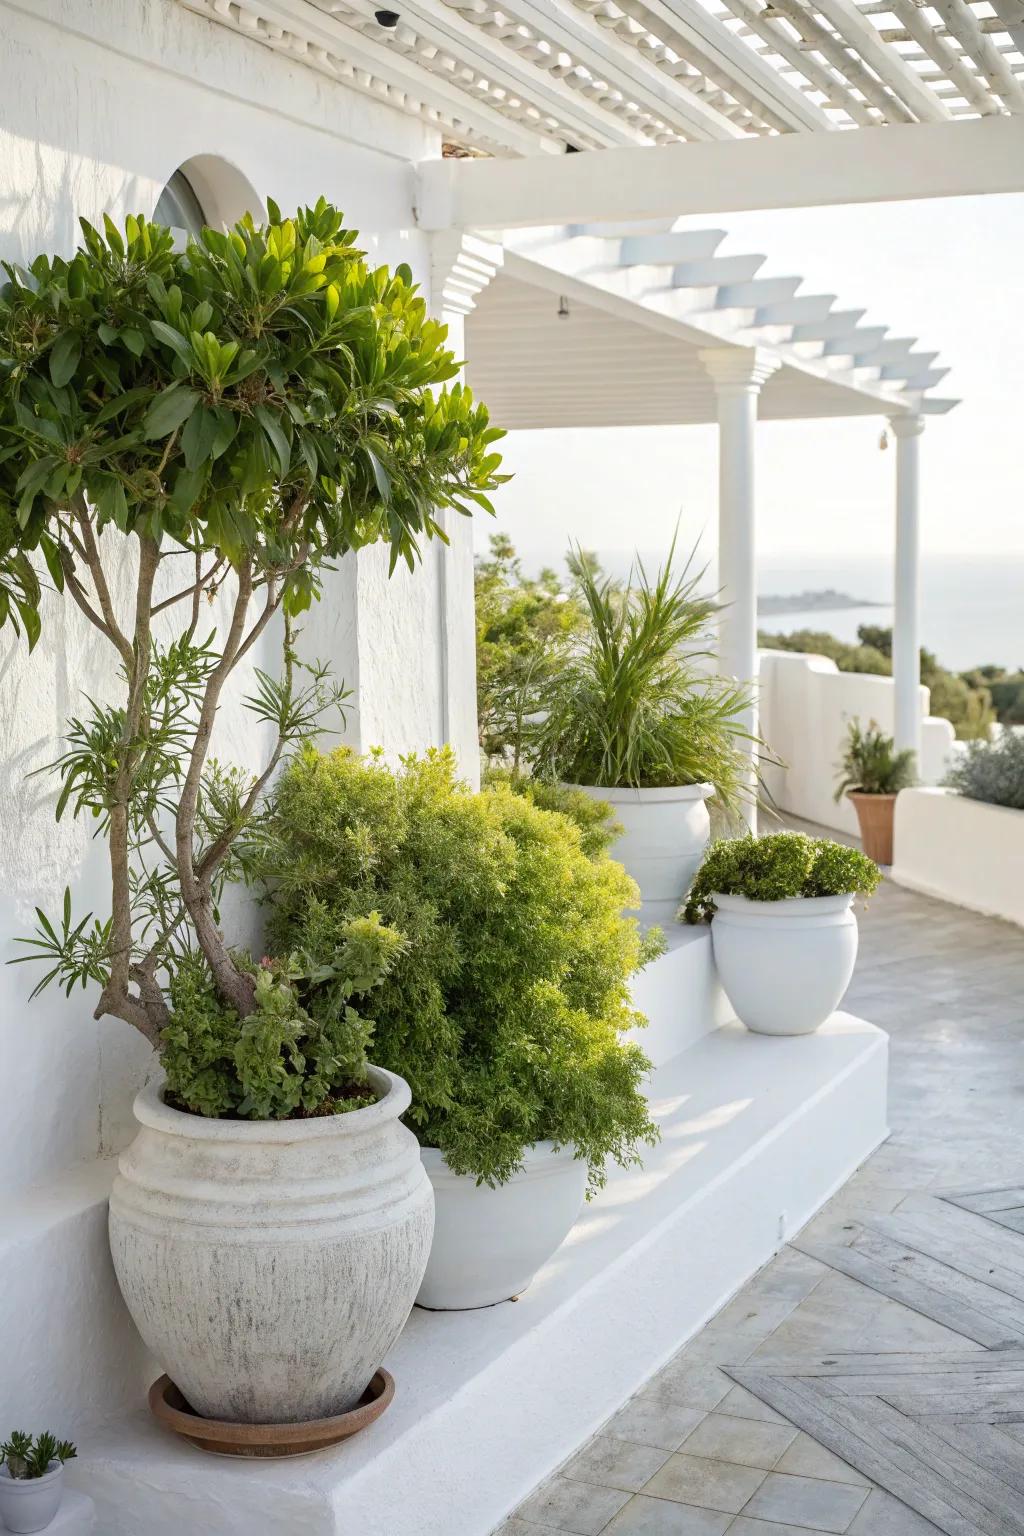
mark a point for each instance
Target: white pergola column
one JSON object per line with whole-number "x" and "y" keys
{"x": 906, "y": 638}
{"x": 461, "y": 267}
{"x": 738, "y": 374}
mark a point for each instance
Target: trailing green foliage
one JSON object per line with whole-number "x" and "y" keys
{"x": 967, "y": 699}
{"x": 256, "y": 406}
{"x": 992, "y": 771}
{"x": 870, "y": 764}
{"x": 777, "y": 867}
{"x": 282, "y": 1059}
{"x": 629, "y": 705}
{"x": 27, "y": 1458}
{"x": 506, "y": 1007}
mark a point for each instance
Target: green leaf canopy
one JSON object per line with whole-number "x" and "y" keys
{"x": 263, "y": 394}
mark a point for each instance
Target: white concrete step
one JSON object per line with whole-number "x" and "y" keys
{"x": 74, "y": 1354}
{"x": 756, "y": 1134}
{"x": 76, "y": 1516}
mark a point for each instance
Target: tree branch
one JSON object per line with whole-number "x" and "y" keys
{"x": 237, "y": 989}
{"x": 116, "y": 997}
{"x": 194, "y": 591}
{"x": 99, "y": 580}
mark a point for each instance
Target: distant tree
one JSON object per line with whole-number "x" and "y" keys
{"x": 964, "y": 700}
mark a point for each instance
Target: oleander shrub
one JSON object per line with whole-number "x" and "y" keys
{"x": 992, "y": 771}
{"x": 777, "y": 867}
{"x": 505, "y": 1009}
{"x": 210, "y": 426}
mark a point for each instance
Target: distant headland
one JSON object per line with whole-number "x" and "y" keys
{"x": 827, "y": 601}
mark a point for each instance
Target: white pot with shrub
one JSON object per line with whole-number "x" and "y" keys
{"x": 632, "y": 717}
{"x": 32, "y": 1480}
{"x": 783, "y": 928}
{"x": 506, "y": 1009}
{"x": 242, "y": 413}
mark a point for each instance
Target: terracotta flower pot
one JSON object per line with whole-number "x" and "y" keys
{"x": 875, "y": 814}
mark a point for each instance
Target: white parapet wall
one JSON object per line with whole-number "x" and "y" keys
{"x": 806, "y": 706}
{"x": 961, "y": 850}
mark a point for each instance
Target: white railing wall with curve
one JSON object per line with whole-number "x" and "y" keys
{"x": 806, "y": 705}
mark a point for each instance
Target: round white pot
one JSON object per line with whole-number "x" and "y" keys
{"x": 665, "y": 833}
{"x": 270, "y": 1265}
{"x": 784, "y": 964}
{"x": 489, "y": 1243}
{"x": 31, "y": 1503}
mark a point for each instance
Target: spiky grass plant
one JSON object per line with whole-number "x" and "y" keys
{"x": 633, "y": 705}
{"x": 870, "y": 764}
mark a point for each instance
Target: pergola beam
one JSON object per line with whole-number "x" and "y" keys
{"x": 796, "y": 170}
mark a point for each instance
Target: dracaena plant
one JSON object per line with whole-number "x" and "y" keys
{"x": 221, "y": 422}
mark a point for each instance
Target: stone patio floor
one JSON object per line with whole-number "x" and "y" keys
{"x": 694, "y": 1455}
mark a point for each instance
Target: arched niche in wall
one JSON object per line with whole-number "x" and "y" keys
{"x": 207, "y": 189}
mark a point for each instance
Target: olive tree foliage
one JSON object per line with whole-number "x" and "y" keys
{"x": 224, "y": 421}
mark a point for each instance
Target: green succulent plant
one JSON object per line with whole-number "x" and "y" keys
{"x": 27, "y": 1458}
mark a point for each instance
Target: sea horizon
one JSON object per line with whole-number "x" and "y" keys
{"x": 972, "y": 606}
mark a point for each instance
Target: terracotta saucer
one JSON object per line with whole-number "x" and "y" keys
{"x": 261, "y": 1440}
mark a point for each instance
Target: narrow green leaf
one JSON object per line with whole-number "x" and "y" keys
{"x": 170, "y": 410}
{"x": 272, "y": 427}
{"x": 172, "y": 338}
{"x": 64, "y": 357}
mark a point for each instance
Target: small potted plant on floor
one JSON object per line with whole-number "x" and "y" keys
{"x": 32, "y": 1479}
{"x": 506, "y": 1009}
{"x": 188, "y": 439}
{"x": 872, "y": 773}
{"x": 782, "y": 925}
{"x": 634, "y": 718}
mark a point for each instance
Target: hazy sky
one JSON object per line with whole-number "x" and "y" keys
{"x": 950, "y": 272}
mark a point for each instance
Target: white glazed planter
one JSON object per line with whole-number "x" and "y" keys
{"x": 784, "y": 964}
{"x": 665, "y": 833}
{"x": 31, "y": 1503}
{"x": 489, "y": 1243}
{"x": 270, "y": 1265}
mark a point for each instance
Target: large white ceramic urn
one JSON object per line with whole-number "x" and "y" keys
{"x": 665, "y": 834}
{"x": 269, "y": 1265}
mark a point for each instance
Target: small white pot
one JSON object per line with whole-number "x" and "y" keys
{"x": 270, "y": 1264}
{"x": 784, "y": 964}
{"x": 665, "y": 833}
{"x": 31, "y": 1503}
{"x": 489, "y": 1243}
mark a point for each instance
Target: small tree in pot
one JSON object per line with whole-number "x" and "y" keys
{"x": 872, "y": 773}
{"x": 247, "y": 411}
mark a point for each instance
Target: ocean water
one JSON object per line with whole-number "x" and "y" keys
{"x": 972, "y": 606}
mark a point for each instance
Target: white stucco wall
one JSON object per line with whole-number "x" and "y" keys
{"x": 806, "y": 705}
{"x": 962, "y": 851}
{"x": 102, "y": 101}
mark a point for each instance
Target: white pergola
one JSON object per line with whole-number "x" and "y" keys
{"x": 560, "y": 116}
{"x": 662, "y": 328}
